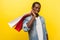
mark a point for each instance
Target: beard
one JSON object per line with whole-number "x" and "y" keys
{"x": 36, "y": 14}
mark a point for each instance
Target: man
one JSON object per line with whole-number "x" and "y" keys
{"x": 30, "y": 24}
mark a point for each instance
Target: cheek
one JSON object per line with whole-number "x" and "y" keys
{"x": 34, "y": 9}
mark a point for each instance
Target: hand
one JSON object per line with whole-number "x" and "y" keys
{"x": 33, "y": 14}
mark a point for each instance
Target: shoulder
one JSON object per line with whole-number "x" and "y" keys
{"x": 42, "y": 19}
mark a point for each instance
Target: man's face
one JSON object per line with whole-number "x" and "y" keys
{"x": 36, "y": 8}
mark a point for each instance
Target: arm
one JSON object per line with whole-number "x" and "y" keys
{"x": 44, "y": 25}
{"x": 46, "y": 31}
{"x": 30, "y": 22}
{"x": 27, "y": 23}
{"x": 47, "y": 36}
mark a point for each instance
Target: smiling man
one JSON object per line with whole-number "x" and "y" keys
{"x": 35, "y": 24}
{"x": 32, "y": 23}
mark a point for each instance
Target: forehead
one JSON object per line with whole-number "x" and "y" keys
{"x": 37, "y": 5}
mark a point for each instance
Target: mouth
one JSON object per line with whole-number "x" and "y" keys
{"x": 37, "y": 11}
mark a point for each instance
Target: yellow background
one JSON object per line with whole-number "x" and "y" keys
{"x": 11, "y": 9}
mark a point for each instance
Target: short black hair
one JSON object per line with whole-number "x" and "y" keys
{"x": 36, "y": 3}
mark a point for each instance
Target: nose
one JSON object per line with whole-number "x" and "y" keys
{"x": 38, "y": 9}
